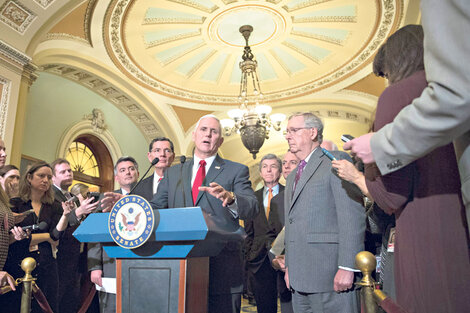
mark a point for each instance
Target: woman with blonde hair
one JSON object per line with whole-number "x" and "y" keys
{"x": 81, "y": 191}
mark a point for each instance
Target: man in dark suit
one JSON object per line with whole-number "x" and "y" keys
{"x": 163, "y": 149}
{"x": 68, "y": 256}
{"x": 289, "y": 163}
{"x": 261, "y": 232}
{"x": 324, "y": 226}
{"x": 126, "y": 174}
{"x": 226, "y": 194}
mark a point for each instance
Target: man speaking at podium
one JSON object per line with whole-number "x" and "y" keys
{"x": 221, "y": 188}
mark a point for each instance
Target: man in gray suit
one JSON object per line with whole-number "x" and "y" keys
{"x": 324, "y": 226}
{"x": 226, "y": 194}
{"x": 442, "y": 112}
{"x": 126, "y": 174}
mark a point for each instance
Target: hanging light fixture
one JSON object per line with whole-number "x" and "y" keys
{"x": 252, "y": 119}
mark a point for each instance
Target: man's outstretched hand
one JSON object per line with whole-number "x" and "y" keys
{"x": 219, "y": 192}
{"x": 110, "y": 198}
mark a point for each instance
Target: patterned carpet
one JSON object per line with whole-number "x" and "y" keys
{"x": 246, "y": 307}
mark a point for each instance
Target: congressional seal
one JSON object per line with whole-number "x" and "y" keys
{"x": 131, "y": 221}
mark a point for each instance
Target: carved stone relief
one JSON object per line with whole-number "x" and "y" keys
{"x": 16, "y": 15}
{"x": 97, "y": 120}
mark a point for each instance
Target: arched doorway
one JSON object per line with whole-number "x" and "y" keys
{"x": 91, "y": 163}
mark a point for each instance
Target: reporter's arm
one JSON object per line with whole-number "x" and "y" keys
{"x": 348, "y": 172}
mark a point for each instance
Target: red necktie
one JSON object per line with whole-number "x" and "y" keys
{"x": 200, "y": 175}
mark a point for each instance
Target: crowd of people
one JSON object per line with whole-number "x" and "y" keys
{"x": 325, "y": 211}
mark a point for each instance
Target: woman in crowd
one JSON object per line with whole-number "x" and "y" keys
{"x": 10, "y": 179}
{"x": 36, "y": 201}
{"x": 81, "y": 191}
{"x": 7, "y": 221}
{"x": 432, "y": 265}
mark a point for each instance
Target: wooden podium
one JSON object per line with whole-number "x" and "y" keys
{"x": 170, "y": 272}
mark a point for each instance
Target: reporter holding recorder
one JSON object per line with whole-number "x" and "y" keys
{"x": 37, "y": 198}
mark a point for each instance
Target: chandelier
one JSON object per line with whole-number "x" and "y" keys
{"x": 252, "y": 119}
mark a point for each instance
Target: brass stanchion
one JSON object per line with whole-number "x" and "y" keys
{"x": 366, "y": 262}
{"x": 27, "y": 265}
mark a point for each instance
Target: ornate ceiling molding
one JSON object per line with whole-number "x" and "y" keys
{"x": 110, "y": 92}
{"x": 13, "y": 54}
{"x": 87, "y": 22}
{"x": 16, "y": 15}
{"x": 5, "y": 85}
{"x": 59, "y": 36}
{"x": 17, "y": 62}
{"x": 390, "y": 13}
{"x": 44, "y": 3}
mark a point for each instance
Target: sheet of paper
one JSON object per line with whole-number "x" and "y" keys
{"x": 278, "y": 247}
{"x": 109, "y": 285}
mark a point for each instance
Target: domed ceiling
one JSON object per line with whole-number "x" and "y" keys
{"x": 191, "y": 49}
{"x": 165, "y": 63}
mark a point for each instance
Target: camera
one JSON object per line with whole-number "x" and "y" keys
{"x": 95, "y": 196}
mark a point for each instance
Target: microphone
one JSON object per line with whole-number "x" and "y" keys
{"x": 182, "y": 160}
{"x": 154, "y": 161}
{"x": 41, "y": 227}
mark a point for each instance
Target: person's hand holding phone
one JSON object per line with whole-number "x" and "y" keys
{"x": 86, "y": 207}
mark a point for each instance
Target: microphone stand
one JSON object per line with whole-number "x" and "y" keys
{"x": 154, "y": 161}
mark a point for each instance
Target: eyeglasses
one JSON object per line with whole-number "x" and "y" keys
{"x": 294, "y": 130}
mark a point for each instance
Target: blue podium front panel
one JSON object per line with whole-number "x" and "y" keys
{"x": 183, "y": 224}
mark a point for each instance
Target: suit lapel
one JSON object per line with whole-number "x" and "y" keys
{"x": 308, "y": 172}
{"x": 59, "y": 195}
{"x": 187, "y": 176}
{"x": 149, "y": 187}
{"x": 216, "y": 168}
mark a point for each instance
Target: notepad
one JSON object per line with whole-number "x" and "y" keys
{"x": 109, "y": 285}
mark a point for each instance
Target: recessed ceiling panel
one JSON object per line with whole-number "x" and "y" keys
{"x": 175, "y": 47}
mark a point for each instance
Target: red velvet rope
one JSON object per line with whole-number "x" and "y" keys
{"x": 88, "y": 299}
{"x": 41, "y": 299}
{"x": 390, "y": 306}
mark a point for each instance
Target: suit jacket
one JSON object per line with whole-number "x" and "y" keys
{"x": 442, "y": 112}
{"x": 145, "y": 189}
{"x": 98, "y": 259}
{"x": 261, "y": 232}
{"x": 225, "y": 270}
{"x": 277, "y": 204}
{"x": 324, "y": 226}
